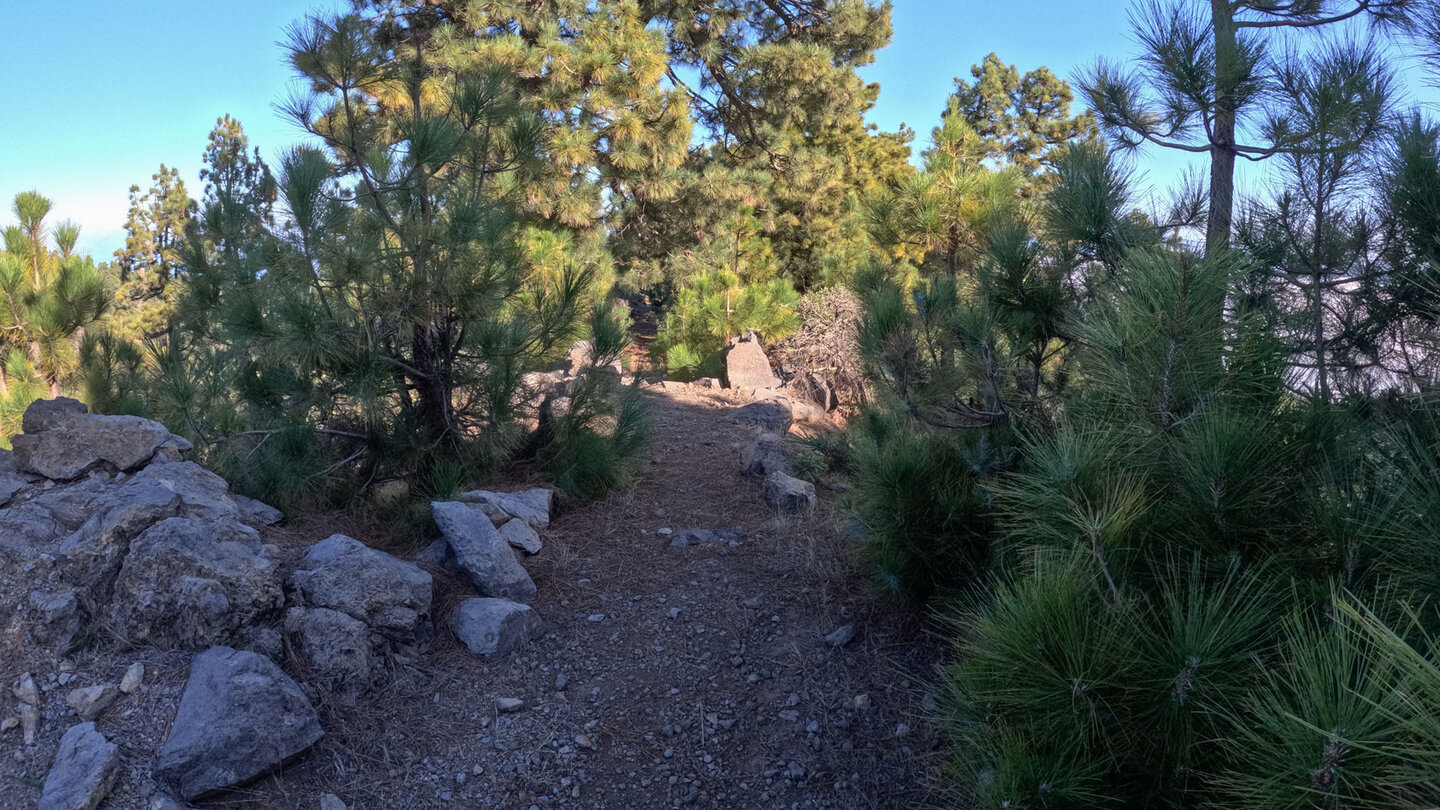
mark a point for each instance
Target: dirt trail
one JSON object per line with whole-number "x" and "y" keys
{"x": 697, "y": 677}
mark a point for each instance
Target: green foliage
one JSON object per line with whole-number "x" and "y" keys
{"x": 925, "y": 503}
{"x": 150, "y": 262}
{"x": 1208, "y": 79}
{"x": 718, "y": 306}
{"x": 48, "y": 297}
{"x": 376, "y": 324}
{"x": 1073, "y": 696}
{"x": 1019, "y": 119}
{"x": 1175, "y": 464}
{"x": 593, "y": 444}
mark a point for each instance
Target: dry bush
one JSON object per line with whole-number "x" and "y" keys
{"x": 821, "y": 361}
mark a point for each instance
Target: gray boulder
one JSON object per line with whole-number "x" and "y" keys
{"x": 28, "y": 530}
{"x": 54, "y": 618}
{"x": 256, "y": 513}
{"x": 83, "y": 773}
{"x": 193, "y": 584}
{"x": 495, "y": 626}
{"x": 12, "y": 481}
{"x": 67, "y": 443}
{"x": 529, "y": 505}
{"x": 335, "y": 648}
{"x": 90, "y": 557}
{"x": 746, "y": 365}
{"x": 481, "y": 554}
{"x": 389, "y": 595}
{"x": 521, "y": 535}
{"x": 239, "y": 717}
{"x": 765, "y": 455}
{"x": 770, "y": 416}
{"x": 788, "y": 495}
{"x": 203, "y": 494}
{"x": 44, "y": 414}
{"x": 437, "y": 554}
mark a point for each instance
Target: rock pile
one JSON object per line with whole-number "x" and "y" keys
{"x": 111, "y": 537}
{"x": 354, "y": 609}
{"x": 110, "y": 529}
{"x": 765, "y": 456}
{"x": 483, "y": 536}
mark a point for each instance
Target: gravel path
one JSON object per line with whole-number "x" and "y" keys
{"x": 697, "y": 677}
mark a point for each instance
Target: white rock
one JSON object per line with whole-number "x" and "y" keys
{"x": 26, "y": 691}
{"x": 134, "y": 677}
{"x": 30, "y": 721}
{"x": 841, "y": 636}
{"x": 90, "y": 702}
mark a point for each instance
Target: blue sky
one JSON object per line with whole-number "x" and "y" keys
{"x": 105, "y": 96}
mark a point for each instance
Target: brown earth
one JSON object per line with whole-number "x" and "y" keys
{"x": 697, "y": 677}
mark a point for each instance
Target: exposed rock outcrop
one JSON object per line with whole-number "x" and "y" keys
{"x": 111, "y": 529}
{"x": 62, "y": 442}
{"x": 256, "y": 513}
{"x": 388, "y": 594}
{"x": 193, "y": 584}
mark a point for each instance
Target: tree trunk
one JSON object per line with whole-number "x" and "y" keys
{"x": 432, "y": 391}
{"x": 1222, "y": 141}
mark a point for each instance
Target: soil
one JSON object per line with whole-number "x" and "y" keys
{"x": 696, "y": 677}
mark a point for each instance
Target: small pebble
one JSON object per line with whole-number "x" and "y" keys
{"x": 841, "y": 636}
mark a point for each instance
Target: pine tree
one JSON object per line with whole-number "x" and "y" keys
{"x": 1318, "y": 242}
{"x": 150, "y": 260}
{"x": 239, "y": 189}
{"x": 594, "y": 71}
{"x": 945, "y": 212}
{"x": 1019, "y": 119}
{"x": 50, "y": 296}
{"x": 1206, "y": 82}
{"x": 368, "y": 312}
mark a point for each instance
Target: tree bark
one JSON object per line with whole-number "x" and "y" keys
{"x": 1222, "y": 132}
{"x": 432, "y": 389}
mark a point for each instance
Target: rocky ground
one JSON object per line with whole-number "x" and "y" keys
{"x": 711, "y": 675}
